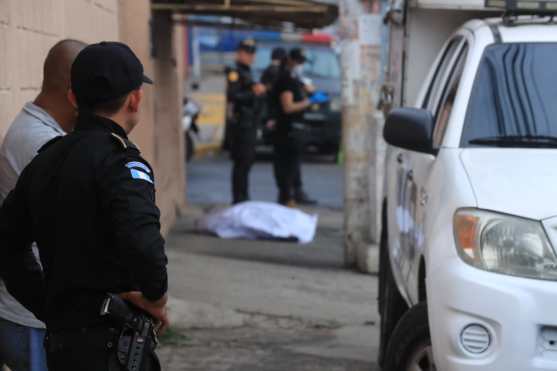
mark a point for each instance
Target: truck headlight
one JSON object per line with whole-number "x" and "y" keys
{"x": 336, "y": 104}
{"x": 504, "y": 244}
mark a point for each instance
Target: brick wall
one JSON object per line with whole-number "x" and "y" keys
{"x": 28, "y": 28}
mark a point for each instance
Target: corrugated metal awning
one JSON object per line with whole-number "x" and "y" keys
{"x": 302, "y": 13}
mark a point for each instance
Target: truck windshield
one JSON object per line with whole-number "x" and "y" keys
{"x": 322, "y": 62}
{"x": 514, "y": 99}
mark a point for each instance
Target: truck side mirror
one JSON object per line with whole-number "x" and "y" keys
{"x": 410, "y": 128}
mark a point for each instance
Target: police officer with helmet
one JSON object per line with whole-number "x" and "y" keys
{"x": 88, "y": 201}
{"x": 245, "y": 100}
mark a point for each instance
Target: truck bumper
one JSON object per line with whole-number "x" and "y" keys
{"x": 518, "y": 315}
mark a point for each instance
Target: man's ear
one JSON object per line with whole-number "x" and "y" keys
{"x": 135, "y": 100}
{"x": 71, "y": 98}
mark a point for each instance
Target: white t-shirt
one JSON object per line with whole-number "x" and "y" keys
{"x": 32, "y": 128}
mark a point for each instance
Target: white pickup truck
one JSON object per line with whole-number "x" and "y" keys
{"x": 468, "y": 270}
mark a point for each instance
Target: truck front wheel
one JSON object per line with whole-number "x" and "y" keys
{"x": 410, "y": 344}
{"x": 390, "y": 303}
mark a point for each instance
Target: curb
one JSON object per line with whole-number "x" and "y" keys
{"x": 202, "y": 150}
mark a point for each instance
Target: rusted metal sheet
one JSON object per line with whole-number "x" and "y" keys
{"x": 449, "y": 4}
{"x": 302, "y": 13}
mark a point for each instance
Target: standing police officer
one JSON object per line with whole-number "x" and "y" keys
{"x": 88, "y": 201}
{"x": 291, "y": 101}
{"x": 244, "y": 106}
{"x": 269, "y": 79}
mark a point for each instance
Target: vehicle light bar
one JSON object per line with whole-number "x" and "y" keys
{"x": 524, "y": 6}
{"x": 317, "y": 38}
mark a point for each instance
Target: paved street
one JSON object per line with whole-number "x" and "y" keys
{"x": 261, "y": 305}
{"x": 209, "y": 181}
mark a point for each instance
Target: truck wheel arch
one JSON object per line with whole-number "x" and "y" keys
{"x": 422, "y": 292}
{"x": 391, "y": 305}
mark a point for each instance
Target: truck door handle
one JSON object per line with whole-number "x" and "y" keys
{"x": 399, "y": 158}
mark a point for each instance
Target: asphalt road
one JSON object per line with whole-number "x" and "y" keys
{"x": 209, "y": 181}
{"x": 264, "y": 305}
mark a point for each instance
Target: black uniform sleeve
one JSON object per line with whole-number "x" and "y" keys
{"x": 235, "y": 91}
{"x": 19, "y": 268}
{"x": 128, "y": 199}
{"x": 267, "y": 78}
{"x": 283, "y": 84}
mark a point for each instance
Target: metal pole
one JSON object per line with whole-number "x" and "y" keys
{"x": 196, "y": 54}
{"x": 360, "y": 29}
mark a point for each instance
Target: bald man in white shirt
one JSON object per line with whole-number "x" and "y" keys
{"x": 48, "y": 116}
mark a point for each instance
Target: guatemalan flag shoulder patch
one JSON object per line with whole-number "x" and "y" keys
{"x": 140, "y": 171}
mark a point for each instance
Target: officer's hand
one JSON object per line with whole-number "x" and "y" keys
{"x": 155, "y": 308}
{"x": 259, "y": 89}
{"x": 310, "y": 89}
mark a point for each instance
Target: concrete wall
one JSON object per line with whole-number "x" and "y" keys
{"x": 169, "y": 151}
{"x": 28, "y": 28}
{"x": 135, "y": 31}
{"x": 159, "y": 134}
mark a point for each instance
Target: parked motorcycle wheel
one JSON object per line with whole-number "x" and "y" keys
{"x": 190, "y": 147}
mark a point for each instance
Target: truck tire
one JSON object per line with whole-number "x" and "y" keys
{"x": 391, "y": 304}
{"x": 410, "y": 344}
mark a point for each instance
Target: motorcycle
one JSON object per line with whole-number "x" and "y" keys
{"x": 190, "y": 114}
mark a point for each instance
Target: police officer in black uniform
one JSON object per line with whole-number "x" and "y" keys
{"x": 291, "y": 100}
{"x": 269, "y": 79}
{"x": 271, "y": 73}
{"x": 88, "y": 201}
{"x": 245, "y": 100}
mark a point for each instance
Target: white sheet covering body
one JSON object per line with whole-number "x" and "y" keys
{"x": 260, "y": 220}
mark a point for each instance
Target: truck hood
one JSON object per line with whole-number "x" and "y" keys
{"x": 515, "y": 181}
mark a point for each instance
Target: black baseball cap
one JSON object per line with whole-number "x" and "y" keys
{"x": 106, "y": 71}
{"x": 278, "y": 54}
{"x": 298, "y": 55}
{"x": 247, "y": 45}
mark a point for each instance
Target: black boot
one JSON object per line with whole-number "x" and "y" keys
{"x": 302, "y": 198}
{"x": 285, "y": 199}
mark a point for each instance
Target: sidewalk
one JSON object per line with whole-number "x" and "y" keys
{"x": 266, "y": 306}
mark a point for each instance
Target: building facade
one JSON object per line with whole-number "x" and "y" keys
{"x": 28, "y": 28}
